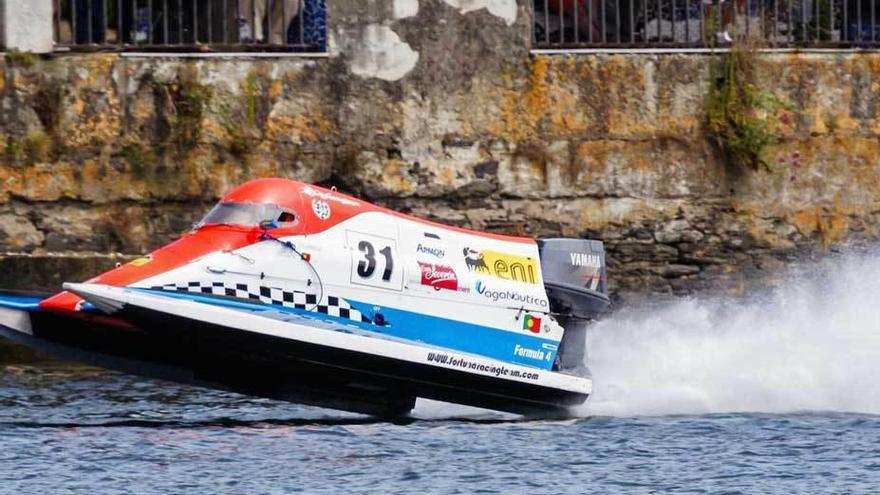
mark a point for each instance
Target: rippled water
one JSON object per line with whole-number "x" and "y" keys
{"x": 105, "y": 433}
{"x": 776, "y": 394}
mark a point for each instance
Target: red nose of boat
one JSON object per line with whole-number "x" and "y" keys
{"x": 206, "y": 240}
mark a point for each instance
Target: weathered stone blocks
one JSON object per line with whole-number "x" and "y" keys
{"x": 440, "y": 111}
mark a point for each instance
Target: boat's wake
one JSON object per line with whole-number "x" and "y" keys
{"x": 813, "y": 344}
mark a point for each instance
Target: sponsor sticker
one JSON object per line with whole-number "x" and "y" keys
{"x": 532, "y": 324}
{"x": 327, "y": 196}
{"x": 453, "y": 361}
{"x": 141, "y": 261}
{"x": 436, "y": 252}
{"x": 502, "y": 265}
{"x": 585, "y": 259}
{"x": 438, "y": 276}
{"x": 536, "y": 354}
{"x": 509, "y": 295}
{"x": 321, "y": 209}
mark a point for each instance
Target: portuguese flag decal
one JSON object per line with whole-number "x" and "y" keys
{"x": 532, "y": 324}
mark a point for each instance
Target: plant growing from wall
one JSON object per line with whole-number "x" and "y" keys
{"x": 186, "y": 100}
{"x": 246, "y": 126}
{"x": 740, "y": 116}
{"x": 240, "y": 135}
{"x": 20, "y": 58}
{"x": 139, "y": 157}
{"x": 14, "y": 151}
{"x": 49, "y": 103}
{"x": 33, "y": 148}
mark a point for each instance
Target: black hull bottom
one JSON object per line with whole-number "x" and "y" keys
{"x": 193, "y": 352}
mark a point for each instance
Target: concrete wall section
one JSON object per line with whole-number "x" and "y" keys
{"x": 26, "y": 25}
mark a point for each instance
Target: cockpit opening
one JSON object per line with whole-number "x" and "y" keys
{"x": 249, "y": 214}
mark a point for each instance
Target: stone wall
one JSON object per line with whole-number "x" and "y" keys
{"x": 438, "y": 109}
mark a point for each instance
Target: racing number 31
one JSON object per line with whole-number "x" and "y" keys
{"x": 367, "y": 266}
{"x": 374, "y": 261}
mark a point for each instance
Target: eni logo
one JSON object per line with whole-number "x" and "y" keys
{"x": 502, "y": 265}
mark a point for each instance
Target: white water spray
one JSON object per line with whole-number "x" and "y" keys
{"x": 813, "y": 344}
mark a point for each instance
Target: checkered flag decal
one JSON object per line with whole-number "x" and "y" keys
{"x": 336, "y": 306}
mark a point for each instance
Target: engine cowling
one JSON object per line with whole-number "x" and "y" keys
{"x": 575, "y": 277}
{"x": 577, "y": 287}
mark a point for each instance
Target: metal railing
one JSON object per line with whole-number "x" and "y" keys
{"x": 191, "y": 25}
{"x": 570, "y": 24}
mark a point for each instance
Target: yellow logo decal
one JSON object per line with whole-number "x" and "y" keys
{"x": 502, "y": 265}
{"x": 141, "y": 261}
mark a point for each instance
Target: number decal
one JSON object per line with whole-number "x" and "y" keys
{"x": 374, "y": 261}
{"x": 389, "y": 263}
{"x": 366, "y": 267}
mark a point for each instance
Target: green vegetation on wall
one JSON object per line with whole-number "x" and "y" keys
{"x": 740, "y": 115}
{"x": 185, "y": 102}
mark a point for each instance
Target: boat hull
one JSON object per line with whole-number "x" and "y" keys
{"x": 191, "y": 350}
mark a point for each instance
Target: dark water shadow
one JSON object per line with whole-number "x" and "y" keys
{"x": 289, "y": 422}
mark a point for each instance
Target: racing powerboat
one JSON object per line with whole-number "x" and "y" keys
{"x": 291, "y": 291}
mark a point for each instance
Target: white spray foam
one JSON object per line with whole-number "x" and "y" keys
{"x": 432, "y": 409}
{"x": 813, "y": 344}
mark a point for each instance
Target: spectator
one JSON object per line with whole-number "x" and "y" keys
{"x": 588, "y": 17}
{"x": 90, "y": 25}
{"x": 277, "y": 13}
{"x": 311, "y": 29}
{"x": 728, "y": 10}
{"x": 587, "y": 20}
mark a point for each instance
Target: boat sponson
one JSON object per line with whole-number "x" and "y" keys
{"x": 185, "y": 349}
{"x": 175, "y": 354}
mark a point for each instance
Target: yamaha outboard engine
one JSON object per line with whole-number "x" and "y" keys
{"x": 577, "y": 286}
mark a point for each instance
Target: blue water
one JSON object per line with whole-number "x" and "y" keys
{"x": 91, "y": 433}
{"x": 772, "y": 394}
{"x": 65, "y": 432}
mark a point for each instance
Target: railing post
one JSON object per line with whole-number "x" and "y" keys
{"x": 27, "y": 25}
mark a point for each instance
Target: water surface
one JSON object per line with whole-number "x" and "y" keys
{"x": 778, "y": 393}
{"x": 106, "y": 433}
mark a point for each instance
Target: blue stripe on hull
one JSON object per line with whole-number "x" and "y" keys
{"x": 455, "y": 335}
{"x": 20, "y": 302}
{"x": 465, "y": 337}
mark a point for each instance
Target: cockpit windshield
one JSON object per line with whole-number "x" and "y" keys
{"x": 249, "y": 214}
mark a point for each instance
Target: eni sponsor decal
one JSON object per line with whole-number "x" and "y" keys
{"x": 508, "y": 295}
{"x": 502, "y": 265}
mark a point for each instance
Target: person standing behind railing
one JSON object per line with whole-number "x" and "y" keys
{"x": 90, "y": 22}
{"x": 582, "y": 13}
{"x": 251, "y": 15}
{"x": 311, "y": 30}
{"x": 728, "y": 9}
{"x": 591, "y": 21}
